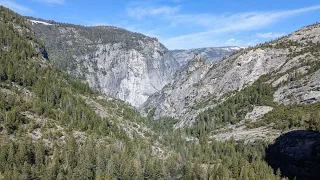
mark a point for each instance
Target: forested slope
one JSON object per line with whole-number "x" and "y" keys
{"x": 53, "y": 126}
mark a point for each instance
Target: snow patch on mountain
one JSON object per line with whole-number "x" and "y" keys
{"x": 40, "y": 22}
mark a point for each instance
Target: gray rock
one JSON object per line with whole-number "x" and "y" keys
{"x": 122, "y": 64}
{"x": 211, "y": 80}
{"x": 303, "y": 91}
{"x": 257, "y": 113}
{"x": 204, "y": 84}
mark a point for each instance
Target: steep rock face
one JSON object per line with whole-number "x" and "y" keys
{"x": 297, "y": 154}
{"x": 294, "y": 59}
{"x": 213, "y": 80}
{"x": 120, "y": 63}
{"x": 130, "y": 75}
{"x": 174, "y": 97}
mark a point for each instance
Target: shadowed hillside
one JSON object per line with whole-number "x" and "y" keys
{"x": 296, "y": 154}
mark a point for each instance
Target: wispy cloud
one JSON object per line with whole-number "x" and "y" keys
{"x": 59, "y": 2}
{"x": 16, "y": 7}
{"x": 270, "y": 35}
{"x": 215, "y": 25}
{"x": 140, "y": 12}
{"x": 231, "y": 40}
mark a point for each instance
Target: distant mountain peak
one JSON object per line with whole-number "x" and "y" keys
{"x": 209, "y": 54}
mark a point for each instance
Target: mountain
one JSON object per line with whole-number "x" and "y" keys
{"x": 122, "y": 64}
{"x": 267, "y": 93}
{"x": 209, "y": 54}
{"x": 254, "y": 114}
{"x": 54, "y": 126}
{"x": 289, "y": 65}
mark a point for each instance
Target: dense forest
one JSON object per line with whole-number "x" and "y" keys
{"x": 30, "y": 86}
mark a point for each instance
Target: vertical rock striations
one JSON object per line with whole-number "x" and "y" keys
{"x": 122, "y": 64}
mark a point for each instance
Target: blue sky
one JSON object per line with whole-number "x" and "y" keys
{"x": 183, "y": 24}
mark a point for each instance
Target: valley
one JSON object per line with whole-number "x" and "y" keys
{"x": 101, "y": 102}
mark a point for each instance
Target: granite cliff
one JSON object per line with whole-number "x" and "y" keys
{"x": 122, "y": 64}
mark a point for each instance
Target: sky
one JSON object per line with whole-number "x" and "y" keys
{"x": 183, "y": 24}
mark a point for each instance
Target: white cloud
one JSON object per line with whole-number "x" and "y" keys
{"x": 15, "y": 6}
{"x": 60, "y": 2}
{"x": 215, "y": 25}
{"x": 270, "y": 35}
{"x": 240, "y": 21}
{"x": 231, "y": 40}
{"x": 140, "y": 12}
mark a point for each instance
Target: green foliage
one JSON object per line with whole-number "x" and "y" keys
{"x": 162, "y": 125}
{"x": 93, "y": 160}
{"x": 151, "y": 113}
{"x": 106, "y": 152}
{"x": 235, "y": 107}
{"x": 286, "y": 117}
{"x": 55, "y": 91}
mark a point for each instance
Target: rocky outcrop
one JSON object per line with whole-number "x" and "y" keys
{"x": 257, "y": 113}
{"x": 304, "y": 91}
{"x": 172, "y": 99}
{"x": 130, "y": 75}
{"x": 44, "y": 53}
{"x": 296, "y": 154}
